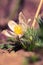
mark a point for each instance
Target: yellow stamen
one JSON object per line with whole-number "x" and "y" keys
{"x": 18, "y": 29}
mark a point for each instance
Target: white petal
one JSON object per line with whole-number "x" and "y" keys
{"x": 29, "y": 20}
{"x": 5, "y": 32}
{"x": 22, "y": 21}
{"x": 21, "y": 17}
{"x": 12, "y": 24}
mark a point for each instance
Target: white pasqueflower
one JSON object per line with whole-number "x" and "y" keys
{"x": 17, "y": 29}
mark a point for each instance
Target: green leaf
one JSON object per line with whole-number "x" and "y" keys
{"x": 33, "y": 59}
{"x": 40, "y": 22}
{"x": 29, "y": 38}
{"x": 9, "y": 46}
{"x": 25, "y": 62}
{"x": 11, "y": 39}
{"x": 39, "y": 43}
{"x": 1, "y": 46}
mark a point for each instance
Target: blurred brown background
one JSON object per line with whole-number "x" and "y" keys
{"x": 29, "y": 9}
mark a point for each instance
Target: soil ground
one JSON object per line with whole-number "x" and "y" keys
{"x": 17, "y": 58}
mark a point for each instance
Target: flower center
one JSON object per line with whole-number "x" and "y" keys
{"x": 18, "y": 29}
